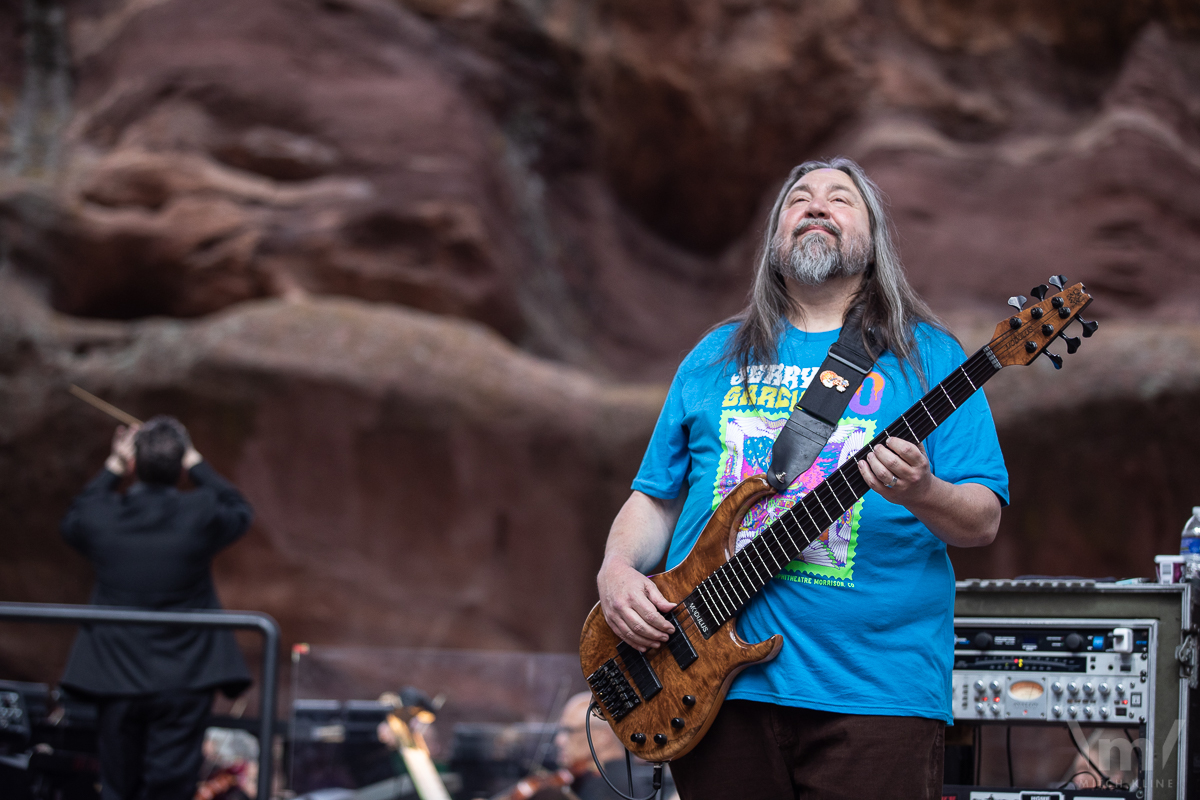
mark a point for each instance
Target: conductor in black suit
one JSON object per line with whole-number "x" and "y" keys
{"x": 152, "y": 548}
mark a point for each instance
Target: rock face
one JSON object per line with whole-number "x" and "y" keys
{"x": 415, "y": 271}
{"x": 415, "y": 480}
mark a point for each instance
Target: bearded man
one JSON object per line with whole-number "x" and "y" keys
{"x": 856, "y": 702}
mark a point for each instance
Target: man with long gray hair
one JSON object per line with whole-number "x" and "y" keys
{"x": 856, "y": 702}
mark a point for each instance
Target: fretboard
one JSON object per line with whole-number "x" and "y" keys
{"x": 726, "y": 591}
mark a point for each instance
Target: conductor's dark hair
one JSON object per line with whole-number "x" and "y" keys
{"x": 158, "y": 449}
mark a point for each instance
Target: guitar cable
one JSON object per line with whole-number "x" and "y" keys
{"x": 656, "y": 780}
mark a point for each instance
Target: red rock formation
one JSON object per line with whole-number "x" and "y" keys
{"x": 585, "y": 180}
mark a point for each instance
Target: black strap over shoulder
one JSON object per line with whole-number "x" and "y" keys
{"x": 818, "y": 410}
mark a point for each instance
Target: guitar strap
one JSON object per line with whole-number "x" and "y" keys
{"x": 818, "y": 410}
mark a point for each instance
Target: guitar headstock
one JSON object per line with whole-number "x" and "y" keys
{"x": 1024, "y": 336}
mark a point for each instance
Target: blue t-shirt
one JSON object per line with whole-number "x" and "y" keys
{"x": 867, "y": 612}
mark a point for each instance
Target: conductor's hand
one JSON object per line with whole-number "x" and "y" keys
{"x": 120, "y": 460}
{"x": 633, "y": 606}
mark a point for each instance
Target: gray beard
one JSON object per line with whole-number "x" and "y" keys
{"x": 814, "y": 260}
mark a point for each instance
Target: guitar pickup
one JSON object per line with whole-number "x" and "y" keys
{"x": 640, "y": 670}
{"x": 612, "y": 690}
{"x": 680, "y": 646}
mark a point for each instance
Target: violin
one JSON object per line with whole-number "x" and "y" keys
{"x": 535, "y": 782}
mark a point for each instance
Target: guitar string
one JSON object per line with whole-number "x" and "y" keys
{"x": 983, "y": 370}
{"x": 980, "y": 370}
{"x": 954, "y": 381}
{"x": 972, "y": 374}
{"x": 763, "y": 543}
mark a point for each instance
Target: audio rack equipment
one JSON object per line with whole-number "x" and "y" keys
{"x": 1054, "y": 669}
{"x": 1072, "y": 653}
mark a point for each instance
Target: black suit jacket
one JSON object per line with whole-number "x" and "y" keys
{"x": 152, "y": 548}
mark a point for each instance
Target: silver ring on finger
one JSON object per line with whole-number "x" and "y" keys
{"x": 892, "y": 482}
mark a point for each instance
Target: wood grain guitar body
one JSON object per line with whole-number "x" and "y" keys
{"x": 693, "y": 670}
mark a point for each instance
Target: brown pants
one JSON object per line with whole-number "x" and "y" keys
{"x": 758, "y": 751}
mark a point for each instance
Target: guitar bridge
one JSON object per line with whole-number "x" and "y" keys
{"x": 612, "y": 690}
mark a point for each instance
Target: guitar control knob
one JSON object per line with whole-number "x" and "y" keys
{"x": 1104, "y": 689}
{"x": 689, "y": 700}
{"x": 1104, "y": 712}
{"x": 1120, "y": 688}
{"x": 980, "y": 686}
{"x": 1056, "y": 687}
{"x": 676, "y": 723}
{"x": 996, "y": 709}
{"x": 1057, "y": 711}
{"x": 1073, "y": 710}
{"x": 1073, "y": 688}
{"x": 638, "y": 738}
{"x": 1088, "y": 711}
{"x": 994, "y": 686}
{"x": 661, "y": 738}
{"x": 1088, "y": 689}
{"x": 980, "y": 708}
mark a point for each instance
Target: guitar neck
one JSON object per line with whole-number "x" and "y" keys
{"x": 724, "y": 593}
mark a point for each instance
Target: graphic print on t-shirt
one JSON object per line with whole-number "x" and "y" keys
{"x": 747, "y": 434}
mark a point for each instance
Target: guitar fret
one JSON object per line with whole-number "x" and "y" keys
{"x": 921, "y": 403}
{"x": 741, "y": 561}
{"x": 727, "y": 589}
{"x": 783, "y": 521}
{"x": 780, "y": 564}
{"x": 814, "y": 494}
{"x": 764, "y": 551}
{"x": 719, "y": 604}
{"x": 845, "y": 479}
{"x": 968, "y": 377}
{"x": 816, "y": 528}
{"x": 738, "y": 578}
{"x": 837, "y": 500}
{"x": 948, "y": 397}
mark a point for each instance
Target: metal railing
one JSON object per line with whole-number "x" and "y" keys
{"x": 238, "y": 620}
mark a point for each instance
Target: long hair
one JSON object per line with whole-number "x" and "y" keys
{"x": 891, "y": 309}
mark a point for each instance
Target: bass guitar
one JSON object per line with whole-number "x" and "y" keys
{"x": 660, "y": 703}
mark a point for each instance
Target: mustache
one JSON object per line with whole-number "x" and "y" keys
{"x": 808, "y": 224}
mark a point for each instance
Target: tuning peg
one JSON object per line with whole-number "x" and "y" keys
{"x": 1089, "y": 327}
{"x": 1039, "y": 291}
{"x": 1054, "y": 359}
{"x": 1058, "y": 281}
{"x": 1072, "y": 342}
{"x": 1017, "y": 302}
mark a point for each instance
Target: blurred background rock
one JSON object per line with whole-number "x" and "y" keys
{"x": 415, "y": 273}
